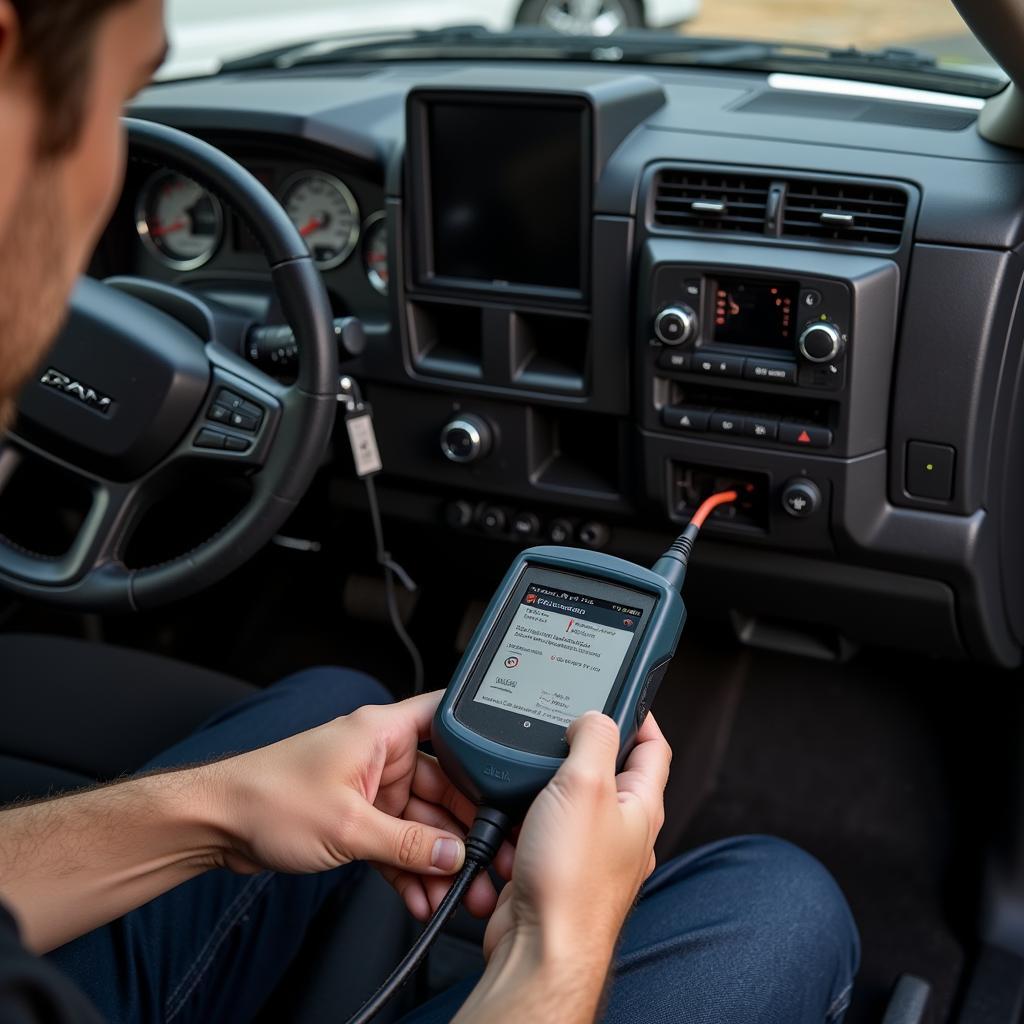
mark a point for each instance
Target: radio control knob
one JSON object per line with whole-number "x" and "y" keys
{"x": 466, "y": 439}
{"x": 821, "y": 342}
{"x": 675, "y": 325}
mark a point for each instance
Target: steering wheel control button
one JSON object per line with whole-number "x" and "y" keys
{"x": 801, "y": 498}
{"x": 465, "y": 439}
{"x": 219, "y": 413}
{"x": 761, "y": 427}
{"x": 245, "y": 421}
{"x": 525, "y": 525}
{"x": 805, "y": 435}
{"x": 207, "y": 438}
{"x": 695, "y": 420}
{"x": 821, "y": 342}
{"x": 930, "y": 469}
{"x": 675, "y": 325}
{"x": 770, "y": 370}
{"x": 674, "y": 360}
{"x": 727, "y": 423}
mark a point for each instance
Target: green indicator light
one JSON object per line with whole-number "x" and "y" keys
{"x": 930, "y": 466}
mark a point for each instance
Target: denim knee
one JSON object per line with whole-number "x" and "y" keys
{"x": 799, "y": 930}
{"x": 334, "y": 687}
{"x": 743, "y": 930}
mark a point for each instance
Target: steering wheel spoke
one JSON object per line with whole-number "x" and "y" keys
{"x": 98, "y": 547}
{"x": 236, "y": 424}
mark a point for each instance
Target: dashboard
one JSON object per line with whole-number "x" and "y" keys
{"x": 593, "y": 294}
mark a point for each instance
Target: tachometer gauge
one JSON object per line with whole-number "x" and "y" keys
{"x": 375, "y": 251}
{"x": 325, "y": 212}
{"x": 180, "y": 223}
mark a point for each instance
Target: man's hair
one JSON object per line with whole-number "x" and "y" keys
{"x": 57, "y": 41}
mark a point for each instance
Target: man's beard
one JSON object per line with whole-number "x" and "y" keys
{"x": 36, "y": 278}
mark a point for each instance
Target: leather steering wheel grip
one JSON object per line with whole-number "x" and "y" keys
{"x": 303, "y": 420}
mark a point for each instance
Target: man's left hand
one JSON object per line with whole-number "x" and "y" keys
{"x": 357, "y": 788}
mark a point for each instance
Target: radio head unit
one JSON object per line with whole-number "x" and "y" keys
{"x": 759, "y": 326}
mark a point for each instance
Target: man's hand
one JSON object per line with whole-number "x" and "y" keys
{"x": 584, "y": 850}
{"x": 356, "y": 788}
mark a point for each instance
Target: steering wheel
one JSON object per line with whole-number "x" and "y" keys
{"x": 130, "y": 399}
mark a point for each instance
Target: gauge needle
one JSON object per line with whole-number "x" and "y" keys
{"x": 169, "y": 229}
{"x": 312, "y": 225}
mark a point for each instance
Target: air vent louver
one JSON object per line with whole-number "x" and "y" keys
{"x": 710, "y": 201}
{"x": 845, "y": 212}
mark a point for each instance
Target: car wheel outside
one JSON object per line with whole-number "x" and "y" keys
{"x": 583, "y": 17}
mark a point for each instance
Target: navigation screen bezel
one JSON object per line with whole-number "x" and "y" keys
{"x": 510, "y": 728}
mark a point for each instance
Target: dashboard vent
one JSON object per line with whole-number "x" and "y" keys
{"x": 845, "y": 212}
{"x": 711, "y": 201}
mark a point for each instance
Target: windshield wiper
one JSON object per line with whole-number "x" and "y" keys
{"x": 907, "y": 66}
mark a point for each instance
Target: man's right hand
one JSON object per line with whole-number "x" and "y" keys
{"x": 585, "y": 848}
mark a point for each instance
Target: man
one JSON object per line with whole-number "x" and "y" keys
{"x": 183, "y": 893}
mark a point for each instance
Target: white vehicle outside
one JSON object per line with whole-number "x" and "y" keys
{"x": 205, "y": 34}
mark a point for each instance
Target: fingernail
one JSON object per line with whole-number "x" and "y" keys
{"x": 447, "y": 854}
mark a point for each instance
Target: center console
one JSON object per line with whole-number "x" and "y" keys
{"x": 750, "y": 360}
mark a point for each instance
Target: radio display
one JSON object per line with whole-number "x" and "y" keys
{"x": 753, "y": 312}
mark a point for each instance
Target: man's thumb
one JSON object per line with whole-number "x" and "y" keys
{"x": 407, "y": 845}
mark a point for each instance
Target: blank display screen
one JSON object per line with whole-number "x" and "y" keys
{"x": 507, "y": 186}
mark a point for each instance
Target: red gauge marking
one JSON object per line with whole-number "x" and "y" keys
{"x": 158, "y": 230}
{"x": 313, "y": 224}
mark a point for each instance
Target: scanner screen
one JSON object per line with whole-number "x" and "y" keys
{"x": 560, "y": 656}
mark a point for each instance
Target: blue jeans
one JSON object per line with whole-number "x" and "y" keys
{"x": 744, "y": 930}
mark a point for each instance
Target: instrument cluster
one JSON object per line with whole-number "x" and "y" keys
{"x": 184, "y": 227}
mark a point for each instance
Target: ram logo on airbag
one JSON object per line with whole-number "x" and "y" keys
{"x": 76, "y": 389}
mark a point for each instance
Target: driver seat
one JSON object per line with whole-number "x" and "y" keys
{"x": 74, "y": 713}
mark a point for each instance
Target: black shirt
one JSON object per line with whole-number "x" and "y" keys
{"x": 32, "y": 990}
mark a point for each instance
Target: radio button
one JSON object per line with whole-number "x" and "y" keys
{"x": 805, "y": 435}
{"x": 685, "y": 419}
{"x": 674, "y": 360}
{"x": 770, "y": 370}
{"x": 726, "y": 423}
{"x": 761, "y": 427}
{"x": 712, "y": 364}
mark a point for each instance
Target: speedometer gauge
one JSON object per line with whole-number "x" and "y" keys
{"x": 325, "y": 212}
{"x": 375, "y": 252}
{"x": 179, "y": 221}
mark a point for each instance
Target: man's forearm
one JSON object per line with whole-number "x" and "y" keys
{"x": 523, "y": 983}
{"x": 72, "y": 864}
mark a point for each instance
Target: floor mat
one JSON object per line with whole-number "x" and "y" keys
{"x": 869, "y": 767}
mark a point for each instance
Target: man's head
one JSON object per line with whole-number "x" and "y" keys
{"x": 67, "y": 67}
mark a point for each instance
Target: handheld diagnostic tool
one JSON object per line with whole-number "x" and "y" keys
{"x": 568, "y": 631}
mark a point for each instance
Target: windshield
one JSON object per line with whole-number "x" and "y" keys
{"x": 206, "y": 33}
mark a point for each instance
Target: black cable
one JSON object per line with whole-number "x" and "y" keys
{"x": 482, "y": 844}
{"x": 391, "y": 570}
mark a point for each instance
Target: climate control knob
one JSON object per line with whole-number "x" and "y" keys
{"x": 675, "y": 325}
{"x": 821, "y": 342}
{"x": 466, "y": 439}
